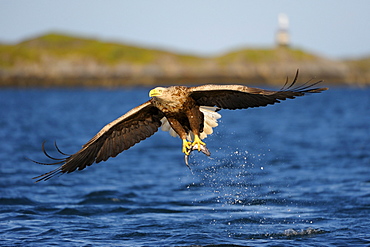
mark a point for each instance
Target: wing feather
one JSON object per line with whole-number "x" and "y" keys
{"x": 117, "y": 136}
{"x": 241, "y": 97}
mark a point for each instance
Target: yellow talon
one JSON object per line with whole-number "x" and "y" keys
{"x": 198, "y": 141}
{"x": 186, "y": 146}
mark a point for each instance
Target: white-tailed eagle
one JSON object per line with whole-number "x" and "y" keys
{"x": 187, "y": 112}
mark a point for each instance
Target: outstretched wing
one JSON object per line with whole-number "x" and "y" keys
{"x": 241, "y": 97}
{"x": 117, "y": 136}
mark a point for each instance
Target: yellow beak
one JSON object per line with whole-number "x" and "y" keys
{"x": 154, "y": 92}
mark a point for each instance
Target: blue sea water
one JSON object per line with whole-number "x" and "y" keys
{"x": 292, "y": 174}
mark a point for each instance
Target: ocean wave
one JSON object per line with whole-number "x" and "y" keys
{"x": 16, "y": 201}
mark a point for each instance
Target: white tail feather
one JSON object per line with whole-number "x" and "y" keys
{"x": 210, "y": 121}
{"x": 167, "y": 127}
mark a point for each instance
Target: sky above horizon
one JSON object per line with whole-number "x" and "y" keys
{"x": 332, "y": 28}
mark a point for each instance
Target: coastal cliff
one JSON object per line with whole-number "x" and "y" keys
{"x": 66, "y": 61}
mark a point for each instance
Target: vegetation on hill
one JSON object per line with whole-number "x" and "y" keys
{"x": 58, "y": 46}
{"x": 61, "y": 60}
{"x": 360, "y": 70}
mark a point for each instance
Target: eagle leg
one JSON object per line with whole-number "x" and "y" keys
{"x": 186, "y": 146}
{"x": 197, "y": 141}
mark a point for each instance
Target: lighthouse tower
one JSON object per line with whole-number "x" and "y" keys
{"x": 282, "y": 36}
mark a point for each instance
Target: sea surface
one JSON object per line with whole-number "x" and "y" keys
{"x": 291, "y": 174}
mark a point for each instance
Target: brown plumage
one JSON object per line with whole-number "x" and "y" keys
{"x": 184, "y": 108}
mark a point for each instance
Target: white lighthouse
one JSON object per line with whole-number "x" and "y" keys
{"x": 282, "y": 36}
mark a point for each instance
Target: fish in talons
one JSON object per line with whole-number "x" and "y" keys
{"x": 203, "y": 149}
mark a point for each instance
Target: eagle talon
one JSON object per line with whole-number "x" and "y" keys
{"x": 197, "y": 141}
{"x": 186, "y": 146}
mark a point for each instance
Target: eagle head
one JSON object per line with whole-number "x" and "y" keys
{"x": 173, "y": 96}
{"x": 163, "y": 94}
{"x": 158, "y": 92}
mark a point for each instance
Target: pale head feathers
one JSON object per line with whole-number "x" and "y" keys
{"x": 169, "y": 97}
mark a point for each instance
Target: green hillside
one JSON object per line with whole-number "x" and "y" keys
{"x": 267, "y": 55}
{"x": 58, "y": 59}
{"x": 65, "y": 47}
